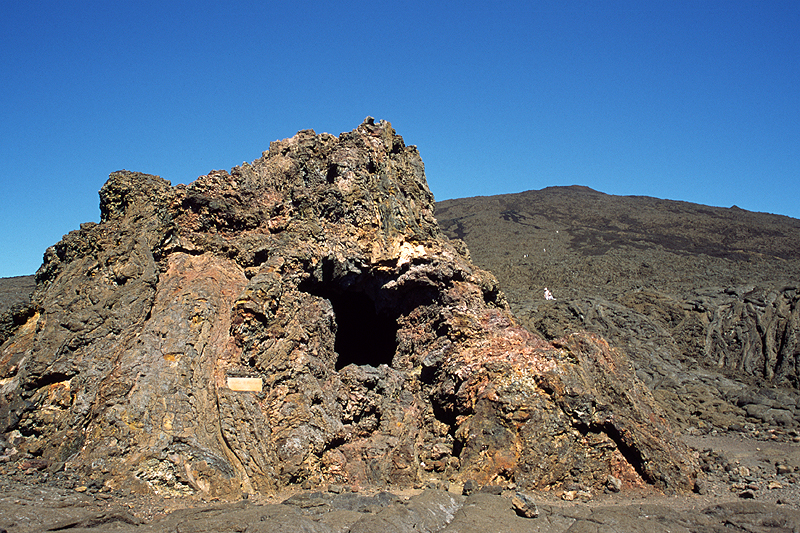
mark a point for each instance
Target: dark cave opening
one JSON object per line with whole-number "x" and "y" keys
{"x": 363, "y": 336}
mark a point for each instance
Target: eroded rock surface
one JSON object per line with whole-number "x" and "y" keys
{"x": 302, "y": 320}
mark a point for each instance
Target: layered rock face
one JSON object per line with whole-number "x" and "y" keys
{"x": 302, "y": 320}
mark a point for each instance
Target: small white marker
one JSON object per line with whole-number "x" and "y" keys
{"x": 245, "y": 384}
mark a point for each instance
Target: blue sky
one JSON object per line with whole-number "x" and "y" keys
{"x": 685, "y": 100}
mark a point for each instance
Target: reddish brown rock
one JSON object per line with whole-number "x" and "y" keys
{"x": 303, "y": 320}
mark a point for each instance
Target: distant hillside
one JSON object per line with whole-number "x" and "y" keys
{"x": 704, "y": 300}
{"x": 15, "y": 290}
{"x": 578, "y": 241}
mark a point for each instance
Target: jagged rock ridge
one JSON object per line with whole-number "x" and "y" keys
{"x": 302, "y": 319}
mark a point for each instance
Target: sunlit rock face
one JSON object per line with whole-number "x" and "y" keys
{"x": 302, "y": 320}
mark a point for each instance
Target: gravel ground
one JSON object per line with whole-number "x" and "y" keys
{"x": 749, "y": 485}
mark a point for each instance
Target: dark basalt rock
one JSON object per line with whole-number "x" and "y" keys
{"x": 302, "y": 320}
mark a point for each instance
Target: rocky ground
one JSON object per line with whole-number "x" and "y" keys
{"x": 750, "y": 485}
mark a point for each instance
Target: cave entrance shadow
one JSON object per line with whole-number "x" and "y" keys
{"x": 364, "y": 334}
{"x": 363, "y": 337}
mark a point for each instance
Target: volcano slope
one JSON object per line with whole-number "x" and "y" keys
{"x": 302, "y": 321}
{"x": 703, "y": 300}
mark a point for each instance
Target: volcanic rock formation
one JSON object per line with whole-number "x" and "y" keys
{"x": 302, "y": 320}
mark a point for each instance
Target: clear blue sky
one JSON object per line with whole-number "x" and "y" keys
{"x": 695, "y": 101}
